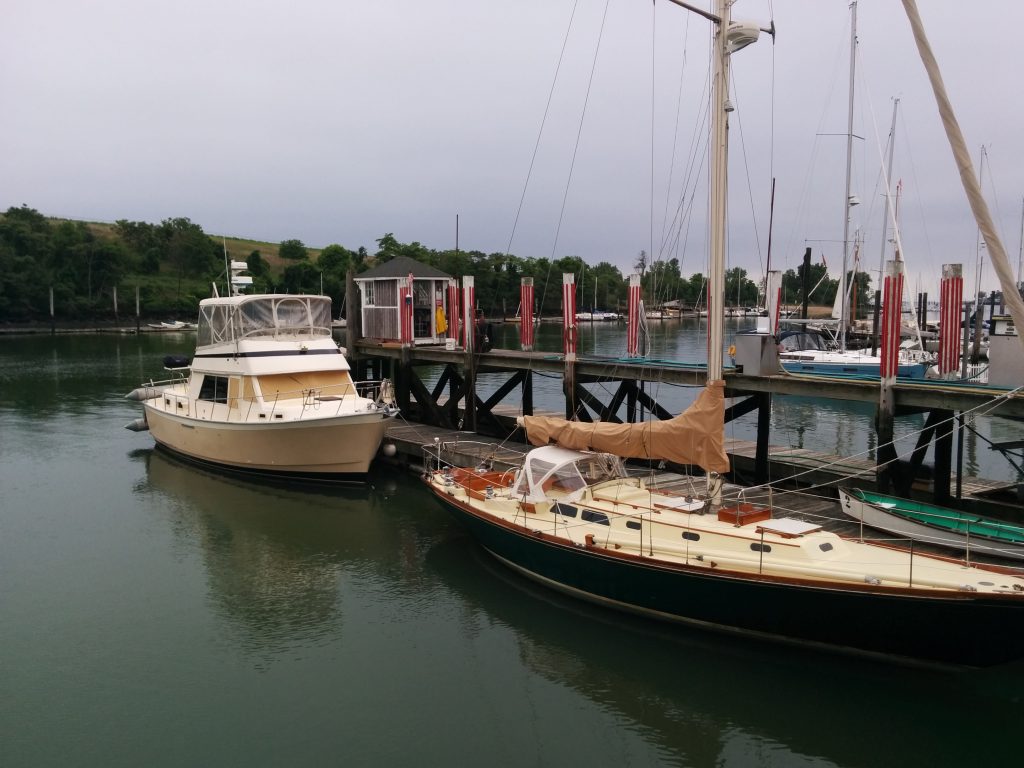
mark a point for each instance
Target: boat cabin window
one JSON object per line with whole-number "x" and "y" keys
{"x": 761, "y": 547}
{"x": 691, "y": 536}
{"x": 214, "y": 389}
{"x": 591, "y": 516}
{"x": 565, "y": 509}
{"x": 826, "y": 547}
{"x": 634, "y": 524}
{"x": 308, "y": 386}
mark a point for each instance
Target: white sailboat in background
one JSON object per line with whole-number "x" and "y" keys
{"x": 802, "y": 352}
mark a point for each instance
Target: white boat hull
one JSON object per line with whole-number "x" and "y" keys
{"x": 344, "y": 444}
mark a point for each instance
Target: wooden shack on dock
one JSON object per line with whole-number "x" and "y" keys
{"x": 386, "y": 293}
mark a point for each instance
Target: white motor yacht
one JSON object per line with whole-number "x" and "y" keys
{"x": 268, "y": 391}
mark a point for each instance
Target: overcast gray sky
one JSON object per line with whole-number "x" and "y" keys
{"x": 341, "y": 121}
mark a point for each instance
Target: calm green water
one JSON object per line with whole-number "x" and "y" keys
{"x": 153, "y": 613}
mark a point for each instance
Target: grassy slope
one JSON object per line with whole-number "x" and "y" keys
{"x": 238, "y": 248}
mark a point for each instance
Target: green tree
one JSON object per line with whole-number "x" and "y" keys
{"x": 611, "y": 289}
{"x": 301, "y": 278}
{"x": 334, "y": 263}
{"x": 388, "y": 248}
{"x": 822, "y": 289}
{"x": 335, "y": 259}
{"x": 695, "y": 290}
{"x": 189, "y": 251}
{"x": 293, "y": 250}
{"x": 25, "y": 252}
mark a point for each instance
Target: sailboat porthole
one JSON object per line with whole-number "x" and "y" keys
{"x": 761, "y": 547}
{"x": 691, "y": 536}
{"x": 635, "y": 525}
{"x": 826, "y": 547}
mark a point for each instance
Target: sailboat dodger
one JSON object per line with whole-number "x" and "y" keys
{"x": 696, "y": 436}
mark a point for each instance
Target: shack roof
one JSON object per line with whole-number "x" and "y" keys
{"x": 401, "y": 266}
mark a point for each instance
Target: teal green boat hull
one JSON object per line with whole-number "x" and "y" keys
{"x": 934, "y": 525}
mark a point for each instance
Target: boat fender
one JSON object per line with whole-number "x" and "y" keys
{"x": 141, "y": 394}
{"x": 138, "y": 425}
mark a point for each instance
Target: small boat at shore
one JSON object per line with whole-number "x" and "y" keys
{"x": 269, "y": 391}
{"x": 930, "y": 524}
{"x": 172, "y": 325}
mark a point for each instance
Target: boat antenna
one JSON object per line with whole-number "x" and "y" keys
{"x": 848, "y": 199}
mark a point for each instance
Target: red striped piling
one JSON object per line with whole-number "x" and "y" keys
{"x": 951, "y": 297}
{"x": 892, "y": 300}
{"x": 468, "y": 313}
{"x": 633, "y": 308}
{"x": 773, "y": 299}
{"x": 569, "y": 315}
{"x": 405, "y": 310}
{"x": 526, "y": 313}
{"x": 455, "y": 321}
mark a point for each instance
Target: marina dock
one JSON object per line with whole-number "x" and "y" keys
{"x": 440, "y": 411}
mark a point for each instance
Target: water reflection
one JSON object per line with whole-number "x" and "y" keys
{"x": 705, "y": 699}
{"x": 75, "y": 373}
{"x": 279, "y": 559}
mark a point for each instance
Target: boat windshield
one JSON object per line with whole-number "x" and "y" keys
{"x": 264, "y": 316}
{"x": 800, "y": 341}
{"x": 552, "y": 469}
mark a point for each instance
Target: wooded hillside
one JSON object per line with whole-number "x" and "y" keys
{"x": 173, "y": 264}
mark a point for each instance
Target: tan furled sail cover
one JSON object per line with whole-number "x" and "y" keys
{"x": 696, "y": 436}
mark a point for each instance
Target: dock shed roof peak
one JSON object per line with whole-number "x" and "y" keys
{"x": 401, "y": 266}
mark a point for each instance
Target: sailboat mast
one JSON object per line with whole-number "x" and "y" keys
{"x": 1020, "y": 252}
{"x": 888, "y": 193}
{"x": 719, "y": 164}
{"x": 843, "y": 309}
